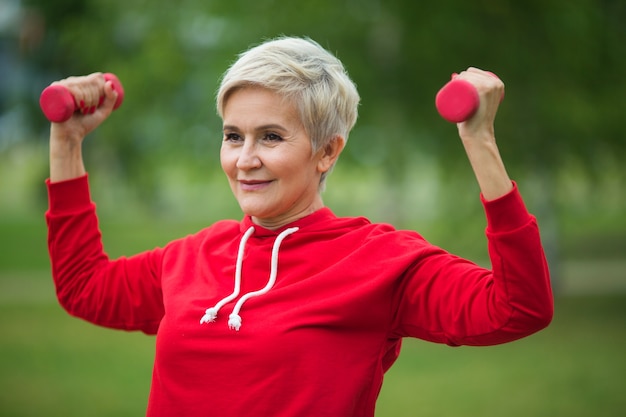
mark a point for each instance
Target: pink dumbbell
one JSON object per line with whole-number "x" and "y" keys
{"x": 458, "y": 100}
{"x": 58, "y": 104}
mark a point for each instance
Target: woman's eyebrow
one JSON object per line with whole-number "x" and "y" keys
{"x": 229, "y": 127}
{"x": 271, "y": 126}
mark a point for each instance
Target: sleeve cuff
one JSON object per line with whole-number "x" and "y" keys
{"x": 70, "y": 195}
{"x": 507, "y": 212}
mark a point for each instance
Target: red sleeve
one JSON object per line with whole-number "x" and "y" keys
{"x": 121, "y": 294}
{"x": 450, "y": 300}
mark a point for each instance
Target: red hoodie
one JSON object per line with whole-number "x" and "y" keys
{"x": 316, "y": 323}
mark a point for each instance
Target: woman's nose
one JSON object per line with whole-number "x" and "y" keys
{"x": 248, "y": 156}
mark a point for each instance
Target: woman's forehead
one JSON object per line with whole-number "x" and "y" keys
{"x": 259, "y": 106}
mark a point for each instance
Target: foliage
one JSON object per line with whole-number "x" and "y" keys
{"x": 562, "y": 61}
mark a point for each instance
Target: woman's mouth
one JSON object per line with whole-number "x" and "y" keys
{"x": 253, "y": 185}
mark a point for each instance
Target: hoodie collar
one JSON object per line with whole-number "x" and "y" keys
{"x": 317, "y": 217}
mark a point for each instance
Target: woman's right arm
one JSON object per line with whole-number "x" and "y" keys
{"x": 66, "y": 160}
{"x": 123, "y": 293}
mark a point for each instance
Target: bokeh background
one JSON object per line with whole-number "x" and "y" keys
{"x": 155, "y": 175}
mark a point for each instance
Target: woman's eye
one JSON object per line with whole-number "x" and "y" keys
{"x": 231, "y": 137}
{"x": 273, "y": 137}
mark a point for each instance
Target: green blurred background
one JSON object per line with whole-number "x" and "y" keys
{"x": 155, "y": 176}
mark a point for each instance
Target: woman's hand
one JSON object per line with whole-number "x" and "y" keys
{"x": 490, "y": 92}
{"x": 95, "y": 99}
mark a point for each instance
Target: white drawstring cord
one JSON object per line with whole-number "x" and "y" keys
{"x": 211, "y": 313}
{"x": 234, "y": 320}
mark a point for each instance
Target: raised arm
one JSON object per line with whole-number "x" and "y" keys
{"x": 66, "y": 160}
{"x": 123, "y": 293}
{"x": 459, "y": 302}
{"x": 478, "y": 136}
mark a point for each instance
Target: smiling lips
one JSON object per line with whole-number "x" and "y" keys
{"x": 253, "y": 185}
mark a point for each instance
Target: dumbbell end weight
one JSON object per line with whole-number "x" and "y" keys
{"x": 57, "y": 103}
{"x": 457, "y": 101}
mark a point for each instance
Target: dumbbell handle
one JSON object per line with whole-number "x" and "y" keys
{"x": 58, "y": 104}
{"x": 458, "y": 100}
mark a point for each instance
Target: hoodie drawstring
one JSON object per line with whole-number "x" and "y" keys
{"x": 234, "y": 320}
{"x": 211, "y": 313}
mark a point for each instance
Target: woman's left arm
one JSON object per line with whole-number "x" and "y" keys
{"x": 451, "y": 300}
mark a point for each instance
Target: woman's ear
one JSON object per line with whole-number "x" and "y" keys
{"x": 330, "y": 153}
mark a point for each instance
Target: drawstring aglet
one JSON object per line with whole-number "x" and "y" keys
{"x": 209, "y": 315}
{"x": 234, "y": 322}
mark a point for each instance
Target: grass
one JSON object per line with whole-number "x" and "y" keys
{"x": 55, "y": 365}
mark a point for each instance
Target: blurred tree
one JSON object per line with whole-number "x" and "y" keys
{"x": 562, "y": 62}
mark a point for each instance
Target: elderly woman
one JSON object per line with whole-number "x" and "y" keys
{"x": 291, "y": 311}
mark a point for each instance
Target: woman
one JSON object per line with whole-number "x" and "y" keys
{"x": 292, "y": 311}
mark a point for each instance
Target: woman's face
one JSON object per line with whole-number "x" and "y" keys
{"x": 267, "y": 157}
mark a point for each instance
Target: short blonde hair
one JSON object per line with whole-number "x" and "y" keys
{"x": 301, "y": 70}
